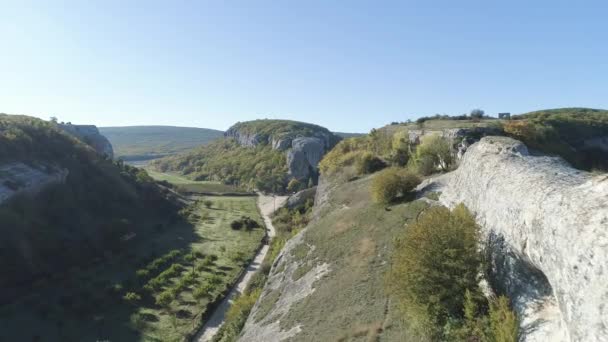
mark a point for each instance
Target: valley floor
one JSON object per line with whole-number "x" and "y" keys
{"x": 90, "y": 304}
{"x": 267, "y": 206}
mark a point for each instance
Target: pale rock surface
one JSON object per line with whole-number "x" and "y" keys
{"x": 546, "y": 226}
{"x": 304, "y": 156}
{"x": 19, "y": 178}
{"x": 90, "y": 135}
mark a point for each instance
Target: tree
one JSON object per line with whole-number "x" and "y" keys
{"x": 54, "y": 119}
{"x": 435, "y": 263}
{"x": 434, "y": 152}
{"x": 477, "y": 114}
{"x": 392, "y": 183}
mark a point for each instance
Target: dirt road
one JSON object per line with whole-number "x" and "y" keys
{"x": 267, "y": 205}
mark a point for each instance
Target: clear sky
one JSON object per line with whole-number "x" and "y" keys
{"x": 347, "y": 65}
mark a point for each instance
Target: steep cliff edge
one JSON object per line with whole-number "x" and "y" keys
{"x": 545, "y": 227}
{"x": 90, "y": 135}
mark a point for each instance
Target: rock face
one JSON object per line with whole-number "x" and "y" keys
{"x": 18, "y": 178}
{"x": 304, "y": 157}
{"x": 90, "y": 135}
{"x": 304, "y": 151}
{"x": 545, "y": 225}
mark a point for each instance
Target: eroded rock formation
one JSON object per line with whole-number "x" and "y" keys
{"x": 546, "y": 229}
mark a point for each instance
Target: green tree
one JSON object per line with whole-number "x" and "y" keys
{"x": 433, "y": 152}
{"x": 391, "y": 184}
{"x": 434, "y": 264}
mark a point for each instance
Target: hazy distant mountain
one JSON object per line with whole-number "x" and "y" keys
{"x": 149, "y": 142}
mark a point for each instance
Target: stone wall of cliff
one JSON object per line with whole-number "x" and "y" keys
{"x": 546, "y": 232}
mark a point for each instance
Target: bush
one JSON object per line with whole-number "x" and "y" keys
{"x": 433, "y": 153}
{"x": 236, "y": 224}
{"x": 165, "y": 298}
{"x": 294, "y": 185}
{"x": 132, "y": 297}
{"x": 368, "y": 163}
{"x": 393, "y": 183}
{"x": 207, "y": 203}
{"x": 503, "y": 321}
{"x": 202, "y": 291}
{"x": 434, "y": 264}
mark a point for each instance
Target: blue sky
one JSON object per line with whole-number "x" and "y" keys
{"x": 346, "y": 65}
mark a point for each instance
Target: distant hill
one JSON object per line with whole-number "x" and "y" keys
{"x": 149, "y": 142}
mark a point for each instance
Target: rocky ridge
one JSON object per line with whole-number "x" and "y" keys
{"x": 544, "y": 225}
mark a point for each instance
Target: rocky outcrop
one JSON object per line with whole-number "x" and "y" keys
{"x": 545, "y": 228}
{"x": 90, "y": 135}
{"x": 19, "y": 178}
{"x": 300, "y": 197}
{"x": 304, "y": 150}
{"x": 461, "y": 138}
{"x": 304, "y": 157}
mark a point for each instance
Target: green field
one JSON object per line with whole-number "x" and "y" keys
{"x": 188, "y": 185}
{"x": 88, "y": 305}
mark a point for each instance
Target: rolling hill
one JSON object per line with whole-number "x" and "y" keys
{"x": 150, "y": 142}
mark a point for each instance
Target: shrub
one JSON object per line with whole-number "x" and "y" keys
{"x": 204, "y": 290}
{"x": 236, "y": 224}
{"x": 368, "y": 163}
{"x": 434, "y": 264}
{"x": 294, "y": 185}
{"x": 392, "y": 183}
{"x": 165, "y": 298}
{"x": 503, "y": 321}
{"x": 132, "y": 297}
{"x": 433, "y": 153}
{"x": 207, "y": 203}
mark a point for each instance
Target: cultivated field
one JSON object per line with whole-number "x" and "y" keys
{"x": 157, "y": 291}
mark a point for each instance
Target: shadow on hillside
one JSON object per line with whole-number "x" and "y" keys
{"x": 87, "y": 303}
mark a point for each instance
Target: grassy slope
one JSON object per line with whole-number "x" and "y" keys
{"x": 356, "y": 238}
{"x": 142, "y": 142}
{"x": 41, "y": 314}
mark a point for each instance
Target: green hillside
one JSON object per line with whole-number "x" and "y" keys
{"x": 224, "y": 160}
{"x": 148, "y": 142}
{"x": 246, "y": 156}
{"x": 72, "y": 223}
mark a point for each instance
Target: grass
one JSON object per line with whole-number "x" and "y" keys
{"x": 187, "y": 185}
{"x": 356, "y": 239}
{"x": 112, "y": 318}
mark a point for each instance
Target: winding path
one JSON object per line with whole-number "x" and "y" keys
{"x": 267, "y": 205}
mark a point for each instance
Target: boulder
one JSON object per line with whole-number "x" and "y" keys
{"x": 545, "y": 229}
